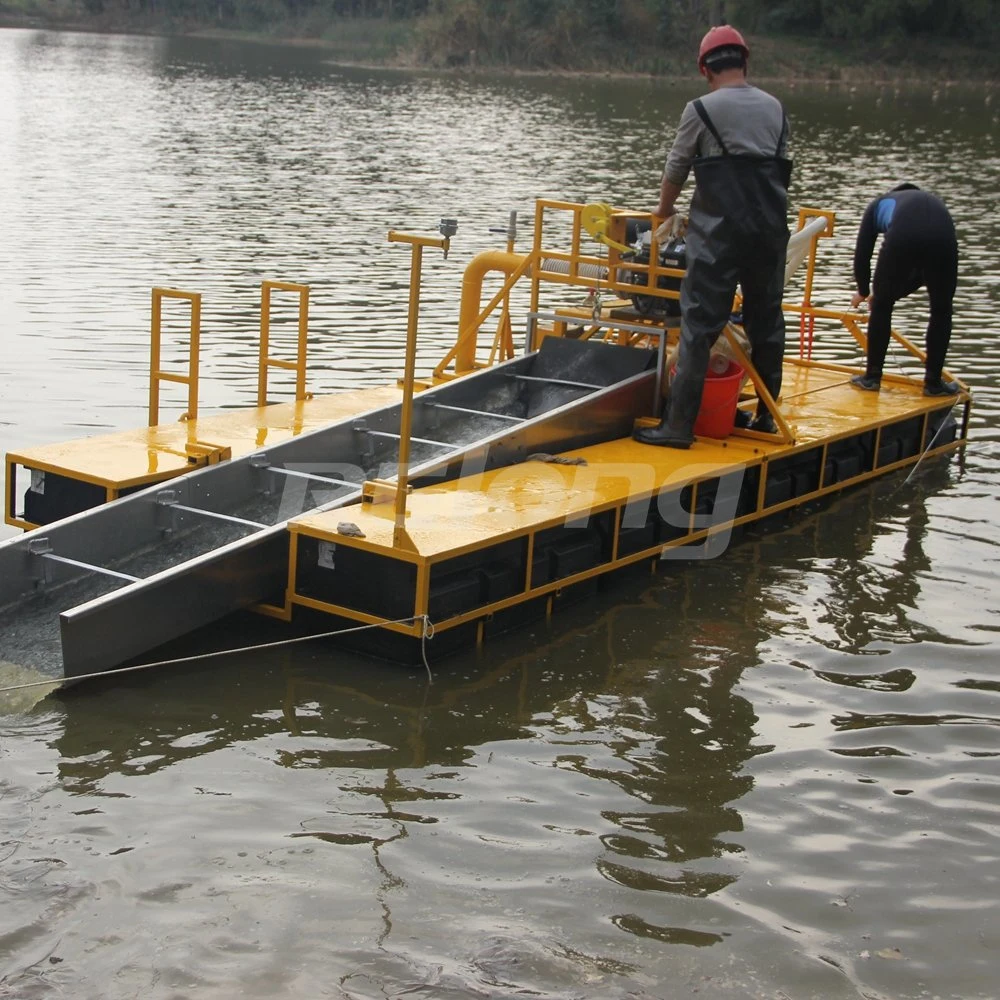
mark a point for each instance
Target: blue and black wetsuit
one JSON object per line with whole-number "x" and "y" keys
{"x": 919, "y": 250}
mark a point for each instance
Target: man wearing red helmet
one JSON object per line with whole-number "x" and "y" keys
{"x": 735, "y": 139}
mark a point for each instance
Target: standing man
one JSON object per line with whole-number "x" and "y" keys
{"x": 735, "y": 139}
{"x": 919, "y": 249}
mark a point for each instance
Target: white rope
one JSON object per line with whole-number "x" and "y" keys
{"x": 427, "y": 632}
{"x": 940, "y": 427}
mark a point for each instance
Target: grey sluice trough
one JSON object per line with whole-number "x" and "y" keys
{"x": 122, "y": 579}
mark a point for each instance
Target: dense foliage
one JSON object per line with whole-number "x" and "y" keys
{"x": 965, "y": 20}
{"x": 644, "y": 35}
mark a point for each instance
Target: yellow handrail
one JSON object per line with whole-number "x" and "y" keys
{"x": 156, "y": 374}
{"x": 611, "y": 272}
{"x": 266, "y": 361}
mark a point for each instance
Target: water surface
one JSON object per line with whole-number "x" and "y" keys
{"x": 772, "y": 774}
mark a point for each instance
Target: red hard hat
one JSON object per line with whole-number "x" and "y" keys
{"x": 721, "y": 36}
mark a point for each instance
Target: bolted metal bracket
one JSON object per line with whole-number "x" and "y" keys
{"x": 366, "y": 446}
{"x": 375, "y": 491}
{"x": 166, "y": 516}
{"x": 261, "y": 464}
{"x": 447, "y": 228}
{"x": 41, "y": 568}
{"x": 206, "y": 453}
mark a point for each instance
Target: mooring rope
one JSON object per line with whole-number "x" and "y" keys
{"x": 426, "y": 632}
{"x": 940, "y": 427}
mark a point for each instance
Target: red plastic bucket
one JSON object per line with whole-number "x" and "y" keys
{"x": 718, "y": 402}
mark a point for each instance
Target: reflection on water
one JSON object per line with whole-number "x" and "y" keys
{"x": 768, "y": 774}
{"x": 477, "y": 789}
{"x": 546, "y": 821}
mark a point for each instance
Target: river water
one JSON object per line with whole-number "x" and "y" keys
{"x": 773, "y": 774}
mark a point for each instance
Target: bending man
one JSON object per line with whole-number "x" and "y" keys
{"x": 735, "y": 139}
{"x": 919, "y": 249}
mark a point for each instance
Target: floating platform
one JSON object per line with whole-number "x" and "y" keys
{"x": 455, "y": 506}
{"x": 531, "y": 534}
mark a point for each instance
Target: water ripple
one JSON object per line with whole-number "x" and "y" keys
{"x": 766, "y": 774}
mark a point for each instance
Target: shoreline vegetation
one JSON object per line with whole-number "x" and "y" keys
{"x": 854, "y": 42}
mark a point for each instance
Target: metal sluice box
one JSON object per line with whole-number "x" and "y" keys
{"x": 101, "y": 587}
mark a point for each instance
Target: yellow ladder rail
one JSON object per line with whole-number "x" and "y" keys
{"x": 266, "y": 361}
{"x": 156, "y": 373}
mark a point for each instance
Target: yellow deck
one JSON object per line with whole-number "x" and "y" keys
{"x": 448, "y": 519}
{"x": 819, "y": 402}
{"x": 451, "y": 518}
{"x": 448, "y": 522}
{"x": 151, "y": 454}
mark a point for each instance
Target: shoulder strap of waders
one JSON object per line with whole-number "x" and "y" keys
{"x": 784, "y": 133}
{"x": 710, "y": 125}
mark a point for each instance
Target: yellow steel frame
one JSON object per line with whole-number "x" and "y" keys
{"x": 266, "y": 361}
{"x": 572, "y": 267}
{"x": 13, "y": 462}
{"x": 472, "y": 317}
{"x": 417, "y": 243}
{"x": 156, "y": 374}
{"x": 463, "y": 354}
{"x": 541, "y": 262}
{"x": 9, "y": 505}
{"x": 610, "y": 258}
{"x": 424, "y": 563}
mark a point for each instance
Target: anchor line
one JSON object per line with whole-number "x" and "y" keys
{"x": 426, "y": 632}
{"x": 940, "y": 427}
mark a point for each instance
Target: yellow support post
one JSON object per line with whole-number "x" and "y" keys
{"x": 785, "y": 434}
{"x": 266, "y": 361}
{"x": 807, "y": 329}
{"x": 503, "y": 341}
{"x": 400, "y": 539}
{"x": 156, "y": 374}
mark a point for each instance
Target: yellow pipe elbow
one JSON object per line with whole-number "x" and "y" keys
{"x": 472, "y": 296}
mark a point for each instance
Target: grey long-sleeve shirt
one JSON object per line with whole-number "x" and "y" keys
{"x": 748, "y": 119}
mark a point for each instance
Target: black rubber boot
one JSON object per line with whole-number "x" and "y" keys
{"x": 941, "y": 388}
{"x": 664, "y": 436}
{"x": 764, "y": 423}
{"x": 675, "y": 429}
{"x": 870, "y": 383}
